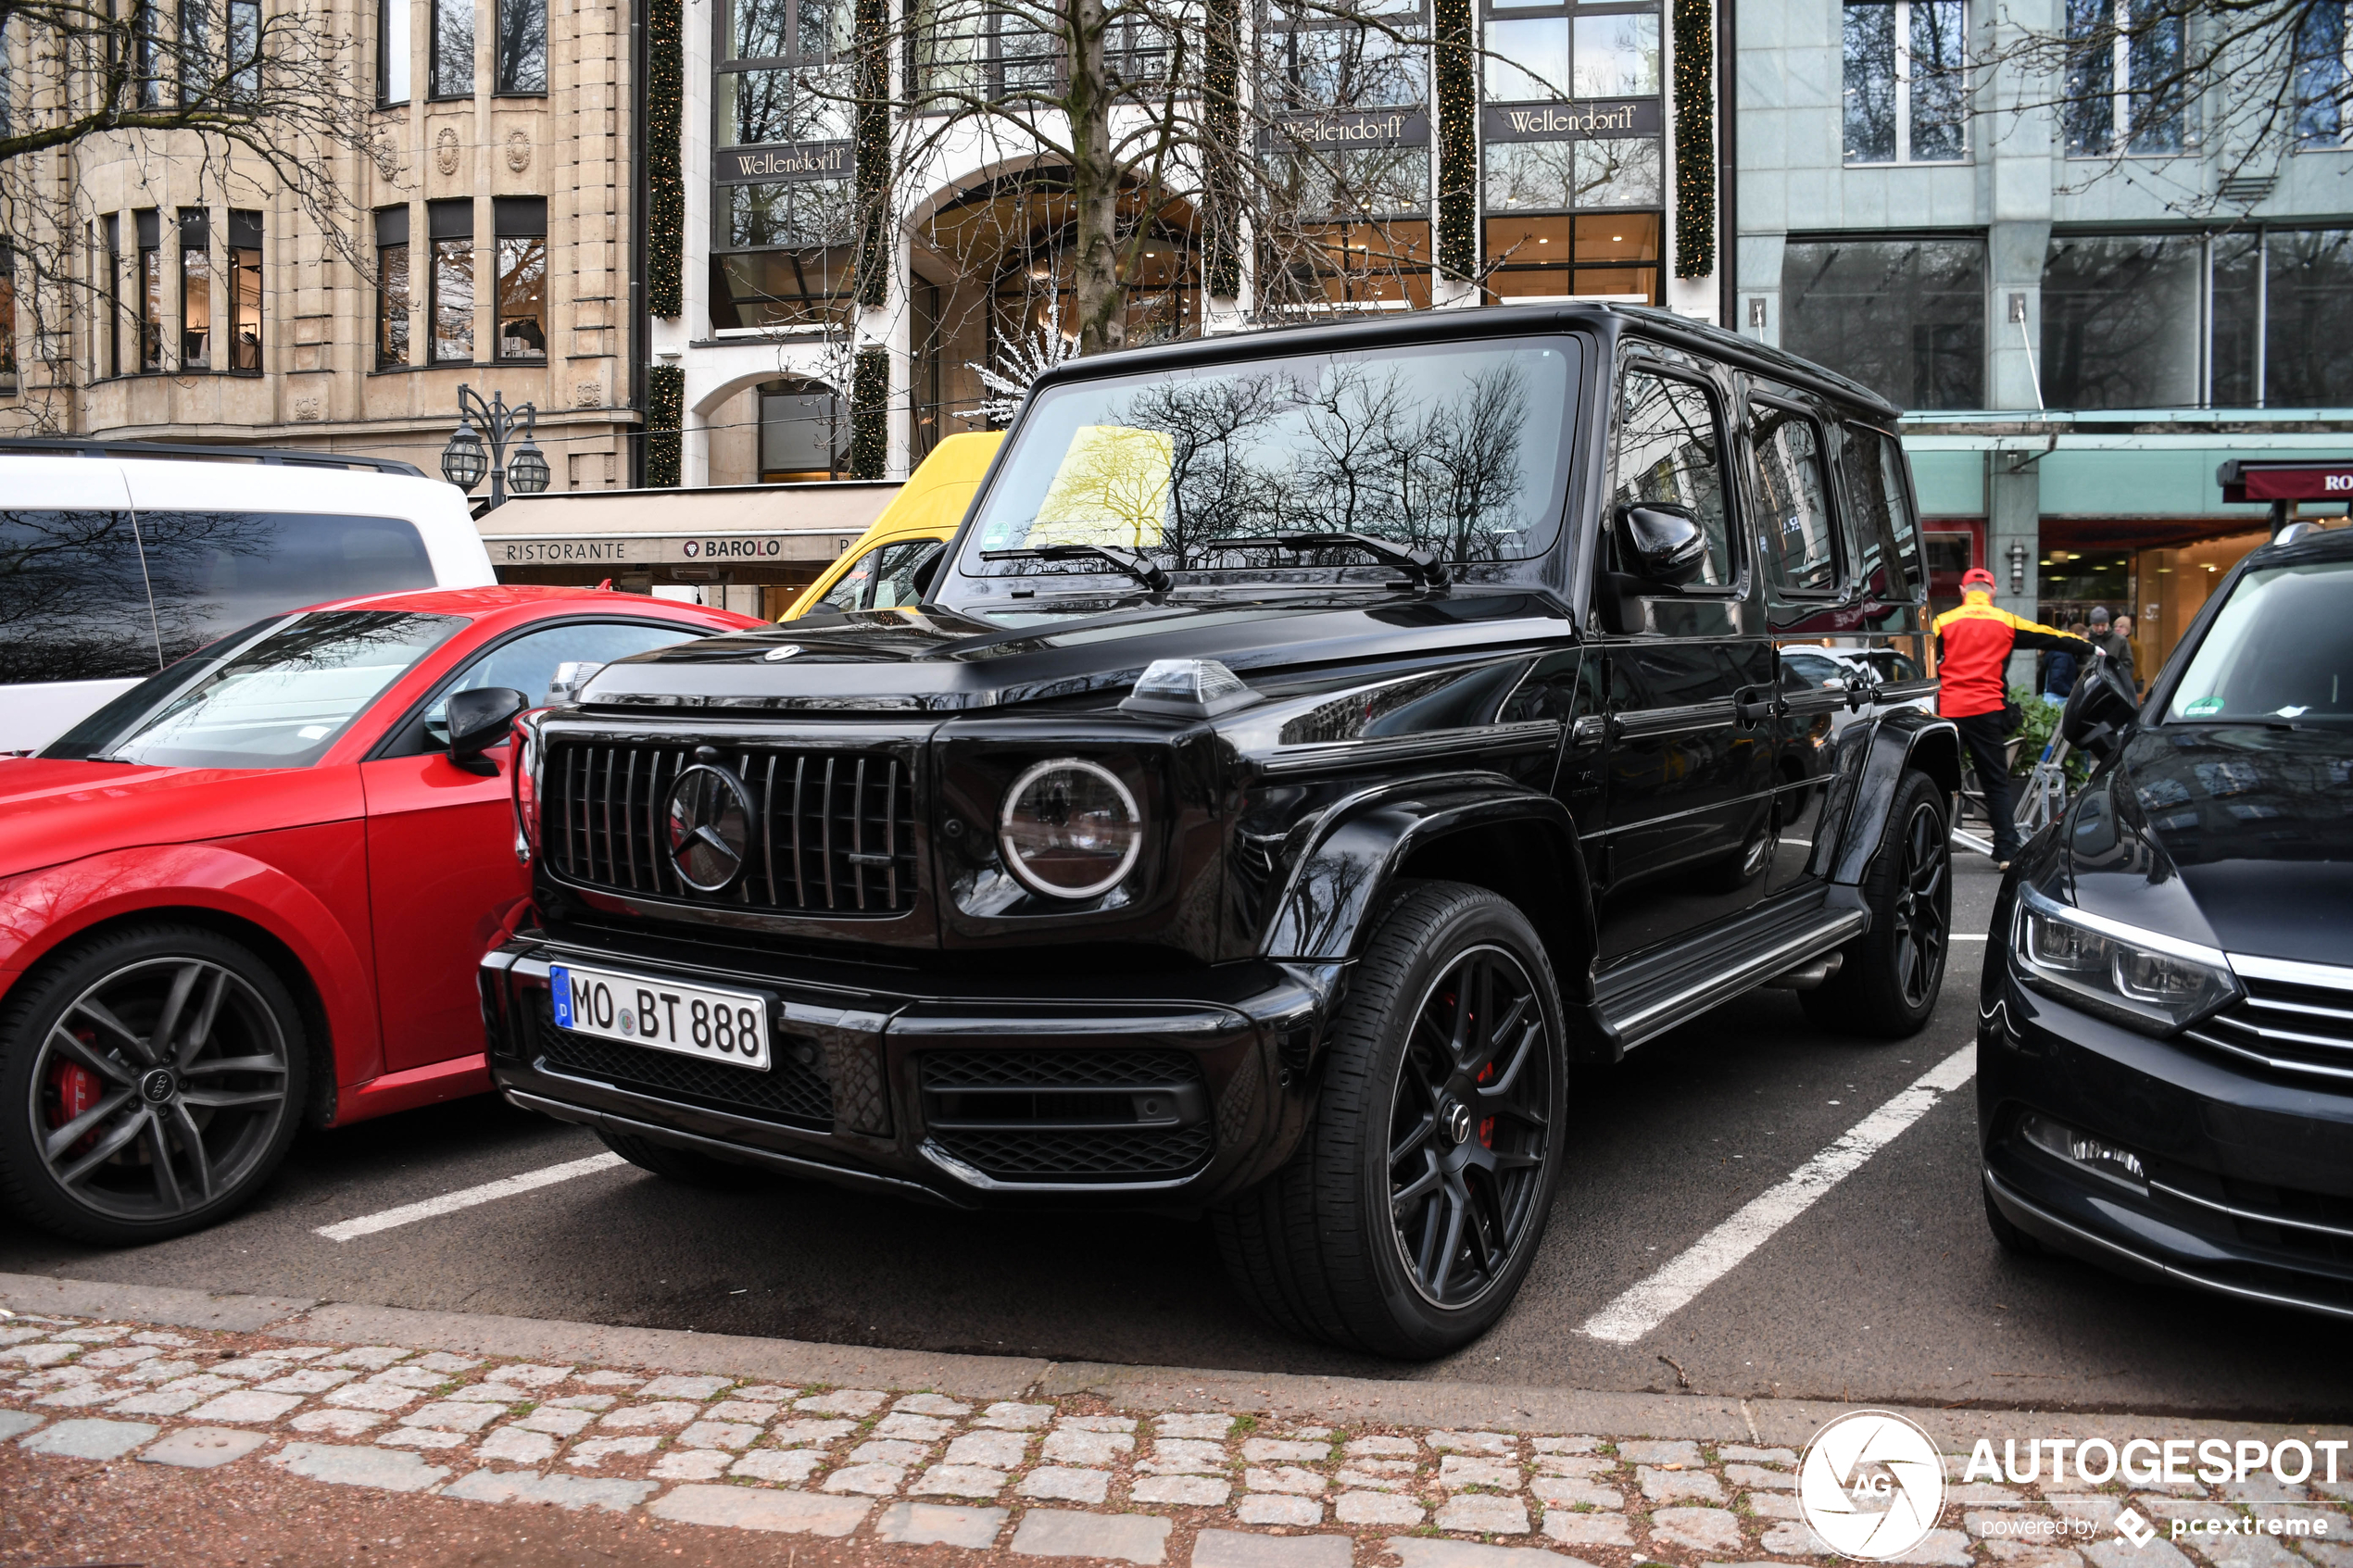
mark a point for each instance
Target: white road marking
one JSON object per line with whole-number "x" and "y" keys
{"x": 466, "y": 1197}
{"x": 1967, "y": 936}
{"x": 1713, "y": 1256}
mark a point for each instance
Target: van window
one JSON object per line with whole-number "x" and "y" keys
{"x": 73, "y": 605}
{"x": 1668, "y": 452}
{"x": 214, "y": 570}
{"x": 884, "y": 577}
{"x": 1886, "y": 535}
{"x": 1793, "y": 501}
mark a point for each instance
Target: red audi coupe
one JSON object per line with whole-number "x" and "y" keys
{"x": 252, "y": 891}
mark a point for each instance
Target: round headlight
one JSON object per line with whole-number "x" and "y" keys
{"x": 1070, "y": 829}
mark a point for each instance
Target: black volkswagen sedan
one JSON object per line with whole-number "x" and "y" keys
{"x": 2165, "y": 1027}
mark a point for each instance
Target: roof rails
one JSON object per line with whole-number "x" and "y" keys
{"x": 93, "y": 446}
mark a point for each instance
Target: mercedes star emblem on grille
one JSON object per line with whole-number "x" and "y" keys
{"x": 786, "y": 651}
{"x": 710, "y": 825}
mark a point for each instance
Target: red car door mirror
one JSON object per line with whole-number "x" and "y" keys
{"x": 478, "y": 721}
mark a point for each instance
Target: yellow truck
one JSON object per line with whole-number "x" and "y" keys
{"x": 876, "y": 572}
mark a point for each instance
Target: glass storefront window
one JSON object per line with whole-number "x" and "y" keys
{"x": 1905, "y": 318}
{"x": 2120, "y": 321}
{"x": 782, "y": 288}
{"x": 782, "y": 85}
{"x": 2307, "y": 334}
{"x": 1612, "y": 257}
{"x": 1368, "y": 264}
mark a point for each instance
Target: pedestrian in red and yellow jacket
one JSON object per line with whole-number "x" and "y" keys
{"x": 1973, "y": 646}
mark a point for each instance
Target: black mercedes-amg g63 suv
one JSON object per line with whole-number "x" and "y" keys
{"x": 1315, "y": 747}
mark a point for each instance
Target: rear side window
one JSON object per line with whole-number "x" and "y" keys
{"x": 214, "y": 570}
{"x": 1886, "y": 535}
{"x": 1794, "y": 501}
{"x": 1669, "y": 451}
{"x": 73, "y": 603}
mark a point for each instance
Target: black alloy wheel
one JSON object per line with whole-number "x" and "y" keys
{"x": 1468, "y": 1127}
{"x": 154, "y": 1080}
{"x": 1414, "y": 1205}
{"x": 1890, "y": 976}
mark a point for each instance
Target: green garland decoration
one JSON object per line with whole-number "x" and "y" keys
{"x": 665, "y": 417}
{"x": 1222, "y": 117}
{"x": 1457, "y": 141}
{"x": 870, "y": 414}
{"x": 1694, "y": 138}
{"x": 872, "y": 151}
{"x": 665, "y": 179}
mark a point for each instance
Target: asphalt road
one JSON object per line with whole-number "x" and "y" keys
{"x": 1888, "y": 1289}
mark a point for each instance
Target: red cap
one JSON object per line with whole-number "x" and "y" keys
{"x": 1976, "y": 577}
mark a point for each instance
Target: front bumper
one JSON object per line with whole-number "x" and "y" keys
{"x": 1130, "y": 1090}
{"x": 2249, "y": 1188}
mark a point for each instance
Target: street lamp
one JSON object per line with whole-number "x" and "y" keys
{"x": 463, "y": 461}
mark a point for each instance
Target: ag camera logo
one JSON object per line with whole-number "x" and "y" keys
{"x": 1871, "y": 1486}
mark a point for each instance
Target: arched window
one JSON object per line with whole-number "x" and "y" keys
{"x": 804, "y": 431}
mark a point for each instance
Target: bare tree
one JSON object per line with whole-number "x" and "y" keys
{"x": 238, "y": 100}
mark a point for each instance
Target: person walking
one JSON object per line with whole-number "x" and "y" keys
{"x": 1973, "y": 646}
{"x": 2060, "y": 665}
{"x": 2118, "y": 647}
{"x": 2123, "y": 627}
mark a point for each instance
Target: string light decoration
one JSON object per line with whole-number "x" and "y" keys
{"x": 1694, "y": 138}
{"x": 665, "y": 417}
{"x": 1457, "y": 141}
{"x": 870, "y": 414}
{"x": 1221, "y": 81}
{"x": 665, "y": 177}
{"x": 875, "y": 253}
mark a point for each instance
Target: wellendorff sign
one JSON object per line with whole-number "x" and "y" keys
{"x": 783, "y": 161}
{"x": 1370, "y": 128}
{"x": 1580, "y": 120}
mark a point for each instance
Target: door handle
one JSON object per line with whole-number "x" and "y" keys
{"x": 1751, "y": 709}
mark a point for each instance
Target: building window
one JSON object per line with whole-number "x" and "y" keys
{"x": 244, "y": 50}
{"x": 150, "y": 287}
{"x": 1610, "y": 256}
{"x": 781, "y": 85}
{"x": 392, "y": 51}
{"x": 196, "y": 289}
{"x": 451, "y": 305}
{"x": 197, "y": 58}
{"x": 391, "y": 287}
{"x": 523, "y": 46}
{"x": 245, "y": 292}
{"x": 1543, "y": 54}
{"x": 778, "y": 289}
{"x": 1905, "y": 318}
{"x": 971, "y": 47}
{"x": 453, "y": 48}
{"x": 804, "y": 431}
{"x": 521, "y": 223}
{"x": 2125, "y": 83}
{"x": 1907, "y": 94}
{"x": 2323, "y": 76}
{"x": 147, "y": 52}
{"x": 110, "y": 357}
{"x": 7, "y": 319}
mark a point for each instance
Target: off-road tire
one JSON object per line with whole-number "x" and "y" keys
{"x": 253, "y": 1136}
{"x": 683, "y": 1165}
{"x": 1314, "y": 1248}
{"x": 1877, "y": 992}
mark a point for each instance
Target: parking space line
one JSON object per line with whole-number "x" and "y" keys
{"x": 467, "y": 1197}
{"x": 1713, "y": 1256}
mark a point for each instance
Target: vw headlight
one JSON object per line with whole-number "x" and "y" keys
{"x": 528, "y": 754}
{"x": 1069, "y": 828}
{"x": 2144, "y": 978}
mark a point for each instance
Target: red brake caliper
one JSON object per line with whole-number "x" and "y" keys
{"x": 74, "y": 1089}
{"x": 1487, "y": 1127}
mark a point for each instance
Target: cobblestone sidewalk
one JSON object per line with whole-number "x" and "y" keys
{"x": 1061, "y": 1477}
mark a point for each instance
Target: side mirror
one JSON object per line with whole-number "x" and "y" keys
{"x": 1664, "y": 543}
{"x": 2099, "y": 710}
{"x": 478, "y": 721}
{"x": 927, "y": 569}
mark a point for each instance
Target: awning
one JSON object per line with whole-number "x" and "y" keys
{"x": 724, "y": 525}
{"x": 2296, "y": 478}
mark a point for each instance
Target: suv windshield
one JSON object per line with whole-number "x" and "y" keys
{"x": 2281, "y": 649}
{"x": 277, "y": 702}
{"x": 1454, "y": 448}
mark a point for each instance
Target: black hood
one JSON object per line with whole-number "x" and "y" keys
{"x": 2239, "y": 836}
{"x": 934, "y": 660}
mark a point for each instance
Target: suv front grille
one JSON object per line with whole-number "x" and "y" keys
{"x": 2298, "y": 1029}
{"x": 793, "y": 1090}
{"x": 835, "y": 832}
{"x": 1069, "y": 1116}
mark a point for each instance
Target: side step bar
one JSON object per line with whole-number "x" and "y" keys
{"x": 1649, "y": 1005}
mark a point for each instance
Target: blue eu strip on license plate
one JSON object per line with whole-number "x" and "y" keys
{"x": 560, "y": 986}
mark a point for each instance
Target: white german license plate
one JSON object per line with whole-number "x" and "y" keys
{"x": 729, "y": 1027}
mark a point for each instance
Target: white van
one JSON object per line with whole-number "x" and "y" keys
{"x": 117, "y": 558}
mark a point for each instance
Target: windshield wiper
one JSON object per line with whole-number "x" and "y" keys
{"x": 1426, "y": 569}
{"x": 1129, "y": 562}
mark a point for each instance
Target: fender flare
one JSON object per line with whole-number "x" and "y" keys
{"x": 1871, "y": 768}
{"x": 1333, "y": 897}
{"x": 41, "y": 911}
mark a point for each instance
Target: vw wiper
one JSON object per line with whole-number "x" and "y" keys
{"x": 1424, "y": 567}
{"x": 1129, "y": 562}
